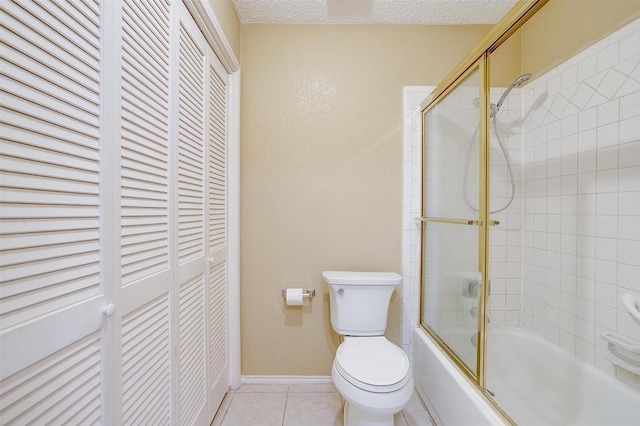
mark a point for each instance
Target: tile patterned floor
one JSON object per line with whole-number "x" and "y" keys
{"x": 298, "y": 405}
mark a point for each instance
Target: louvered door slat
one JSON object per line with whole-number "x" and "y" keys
{"x": 23, "y": 225}
{"x": 67, "y": 56}
{"x": 191, "y": 347}
{"x": 146, "y": 364}
{"x": 154, "y": 12}
{"x": 41, "y": 71}
{"x": 53, "y": 114}
{"x": 16, "y": 181}
{"x": 136, "y": 42}
{"x": 143, "y": 72}
{"x": 156, "y": 224}
{"x": 44, "y": 196}
{"x": 141, "y": 84}
{"x": 82, "y": 253}
{"x": 82, "y": 395}
{"x": 49, "y": 136}
{"x": 54, "y": 37}
{"x": 39, "y": 296}
{"x": 49, "y": 252}
{"x": 11, "y": 213}
{"x": 53, "y": 140}
{"x": 217, "y": 161}
{"x": 145, "y": 208}
{"x": 47, "y": 177}
{"x": 143, "y": 240}
{"x": 149, "y": 170}
{"x": 135, "y": 111}
{"x": 190, "y": 149}
{"x": 155, "y": 124}
{"x": 143, "y": 149}
{"x": 143, "y": 258}
{"x": 51, "y": 104}
{"x": 40, "y": 85}
{"x": 62, "y": 72}
{"x": 218, "y": 358}
{"x": 140, "y": 97}
{"x": 190, "y": 129}
{"x": 76, "y": 17}
{"x": 32, "y": 396}
{"x": 143, "y": 14}
{"x": 77, "y": 288}
{"x": 145, "y": 140}
{"x": 50, "y": 219}
{"x": 160, "y": 10}
{"x": 144, "y": 175}
{"x": 143, "y": 198}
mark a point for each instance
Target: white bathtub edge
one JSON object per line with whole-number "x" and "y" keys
{"x": 448, "y": 394}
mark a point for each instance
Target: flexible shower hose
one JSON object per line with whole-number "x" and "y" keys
{"x": 509, "y": 169}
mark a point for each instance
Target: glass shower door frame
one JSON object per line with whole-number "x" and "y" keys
{"x": 481, "y": 65}
{"x": 478, "y": 58}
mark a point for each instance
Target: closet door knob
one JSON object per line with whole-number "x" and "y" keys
{"x": 109, "y": 310}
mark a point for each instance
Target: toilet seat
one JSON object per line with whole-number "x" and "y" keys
{"x": 373, "y": 364}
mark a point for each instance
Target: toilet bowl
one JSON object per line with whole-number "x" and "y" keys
{"x": 374, "y": 377}
{"x": 371, "y": 373}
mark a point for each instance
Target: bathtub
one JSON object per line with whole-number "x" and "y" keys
{"x": 537, "y": 383}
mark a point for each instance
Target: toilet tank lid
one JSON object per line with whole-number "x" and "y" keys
{"x": 362, "y": 278}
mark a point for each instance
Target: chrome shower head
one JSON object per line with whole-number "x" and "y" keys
{"x": 494, "y": 108}
{"x": 521, "y": 80}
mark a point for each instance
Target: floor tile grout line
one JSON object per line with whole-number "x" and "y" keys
{"x": 289, "y": 389}
{"x": 232, "y": 394}
{"x": 286, "y": 401}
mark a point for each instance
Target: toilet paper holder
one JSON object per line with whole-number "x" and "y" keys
{"x": 311, "y": 292}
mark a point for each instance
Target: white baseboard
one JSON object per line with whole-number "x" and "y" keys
{"x": 285, "y": 380}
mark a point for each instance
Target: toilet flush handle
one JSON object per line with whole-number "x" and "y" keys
{"x": 340, "y": 291}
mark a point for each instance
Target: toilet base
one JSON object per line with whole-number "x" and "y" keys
{"x": 353, "y": 416}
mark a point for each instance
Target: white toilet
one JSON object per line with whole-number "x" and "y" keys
{"x": 371, "y": 373}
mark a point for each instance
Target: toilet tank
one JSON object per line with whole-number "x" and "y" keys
{"x": 359, "y": 301}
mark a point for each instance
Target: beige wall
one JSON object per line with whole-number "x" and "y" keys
{"x": 563, "y": 28}
{"x": 226, "y": 14}
{"x": 505, "y": 62}
{"x": 321, "y": 172}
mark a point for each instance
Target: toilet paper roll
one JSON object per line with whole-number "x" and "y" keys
{"x": 294, "y": 296}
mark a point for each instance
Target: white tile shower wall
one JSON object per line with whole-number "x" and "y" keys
{"x": 505, "y": 239}
{"x": 581, "y": 239}
{"x": 412, "y": 96}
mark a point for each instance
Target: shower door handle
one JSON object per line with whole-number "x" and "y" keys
{"x": 443, "y": 220}
{"x": 456, "y": 221}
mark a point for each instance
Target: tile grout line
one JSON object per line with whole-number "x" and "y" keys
{"x": 286, "y": 402}
{"x": 231, "y": 394}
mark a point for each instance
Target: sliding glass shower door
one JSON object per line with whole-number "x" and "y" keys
{"x": 450, "y": 218}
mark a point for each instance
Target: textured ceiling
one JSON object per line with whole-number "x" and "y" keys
{"x": 407, "y": 12}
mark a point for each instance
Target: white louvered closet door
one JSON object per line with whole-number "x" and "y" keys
{"x": 54, "y": 265}
{"x": 218, "y": 281}
{"x": 113, "y": 188}
{"x": 146, "y": 262}
{"x": 190, "y": 223}
{"x": 201, "y": 276}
